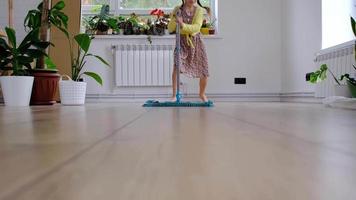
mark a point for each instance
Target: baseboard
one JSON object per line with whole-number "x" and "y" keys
{"x": 304, "y": 97}
{"x": 300, "y": 97}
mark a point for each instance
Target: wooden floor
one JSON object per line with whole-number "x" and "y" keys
{"x": 234, "y": 151}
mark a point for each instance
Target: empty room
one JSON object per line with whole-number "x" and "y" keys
{"x": 177, "y": 99}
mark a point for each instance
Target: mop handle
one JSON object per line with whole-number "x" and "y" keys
{"x": 178, "y": 48}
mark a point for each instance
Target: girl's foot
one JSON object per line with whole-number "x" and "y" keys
{"x": 203, "y": 98}
{"x": 173, "y": 99}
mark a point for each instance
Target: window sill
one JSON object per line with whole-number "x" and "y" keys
{"x": 154, "y": 37}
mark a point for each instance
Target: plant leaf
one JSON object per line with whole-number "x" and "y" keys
{"x": 39, "y": 7}
{"x": 95, "y": 76}
{"x": 31, "y": 37}
{"x": 353, "y": 24}
{"x": 323, "y": 75}
{"x": 100, "y": 58}
{"x": 313, "y": 78}
{"x": 11, "y": 35}
{"x": 345, "y": 76}
{"x": 4, "y": 44}
{"x": 35, "y": 53}
{"x": 64, "y": 18}
{"x": 323, "y": 67}
{"x": 25, "y": 59}
{"x": 28, "y": 66}
{"x": 49, "y": 63}
{"x": 41, "y": 45}
{"x": 59, "y": 6}
{"x": 83, "y": 41}
{"x": 112, "y": 23}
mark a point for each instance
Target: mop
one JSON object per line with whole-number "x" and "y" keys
{"x": 179, "y": 96}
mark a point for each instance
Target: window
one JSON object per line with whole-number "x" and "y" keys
{"x": 140, "y": 7}
{"x": 126, "y": 7}
{"x": 149, "y": 4}
{"x": 336, "y": 28}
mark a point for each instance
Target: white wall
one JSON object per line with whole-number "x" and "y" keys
{"x": 301, "y": 39}
{"x": 250, "y": 47}
{"x": 21, "y": 8}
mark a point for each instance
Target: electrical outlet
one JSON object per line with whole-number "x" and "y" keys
{"x": 307, "y": 76}
{"x": 240, "y": 81}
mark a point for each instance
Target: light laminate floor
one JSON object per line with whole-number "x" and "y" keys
{"x": 234, "y": 151}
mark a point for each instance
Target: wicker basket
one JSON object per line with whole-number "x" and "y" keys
{"x": 72, "y": 92}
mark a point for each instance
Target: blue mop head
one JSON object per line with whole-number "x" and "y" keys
{"x": 153, "y": 103}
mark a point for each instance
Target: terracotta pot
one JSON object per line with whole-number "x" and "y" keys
{"x": 212, "y": 31}
{"x": 45, "y": 87}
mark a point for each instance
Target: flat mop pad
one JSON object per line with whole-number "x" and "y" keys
{"x": 153, "y": 103}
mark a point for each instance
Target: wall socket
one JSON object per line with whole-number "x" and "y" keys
{"x": 240, "y": 81}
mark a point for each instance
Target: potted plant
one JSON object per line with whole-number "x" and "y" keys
{"x": 160, "y": 24}
{"x": 211, "y": 27}
{"x": 89, "y": 25}
{"x": 72, "y": 91}
{"x": 321, "y": 74}
{"x": 17, "y": 88}
{"x": 131, "y": 25}
{"x": 121, "y": 20}
{"x": 205, "y": 28}
{"x": 45, "y": 75}
{"x": 104, "y": 24}
{"x": 351, "y": 82}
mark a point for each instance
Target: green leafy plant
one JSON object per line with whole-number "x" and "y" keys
{"x": 320, "y": 75}
{"x": 55, "y": 16}
{"x": 353, "y": 27}
{"x": 348, "y": 78}
{"x": 78, "y": 62}
{"x": 19, "y": 58}
{"x": 103, "y": 21}
{"x": 89, "y": 24}
{"x": 351, "y": 82}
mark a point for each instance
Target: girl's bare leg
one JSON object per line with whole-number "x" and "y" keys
{"x": 202, "y": 83}
{"x": 174, "y": 84}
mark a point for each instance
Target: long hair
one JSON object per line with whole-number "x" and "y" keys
{"x": 208, "y": 10}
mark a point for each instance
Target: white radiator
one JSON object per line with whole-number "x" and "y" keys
{"x": 143, "y": 65}
{"x": 339, "y": 61}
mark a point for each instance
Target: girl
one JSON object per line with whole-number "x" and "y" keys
{"x": 194, "y": 62}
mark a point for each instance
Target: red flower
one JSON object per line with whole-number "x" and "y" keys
{"x": 157, "y": 12}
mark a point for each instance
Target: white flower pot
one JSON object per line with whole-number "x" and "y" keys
{"x": 72, "y": 92}
{"x": 17, "y": 90}
{"x": 342, "y": 91}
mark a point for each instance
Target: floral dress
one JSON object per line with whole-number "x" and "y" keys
{"x": 193, "y": 58}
